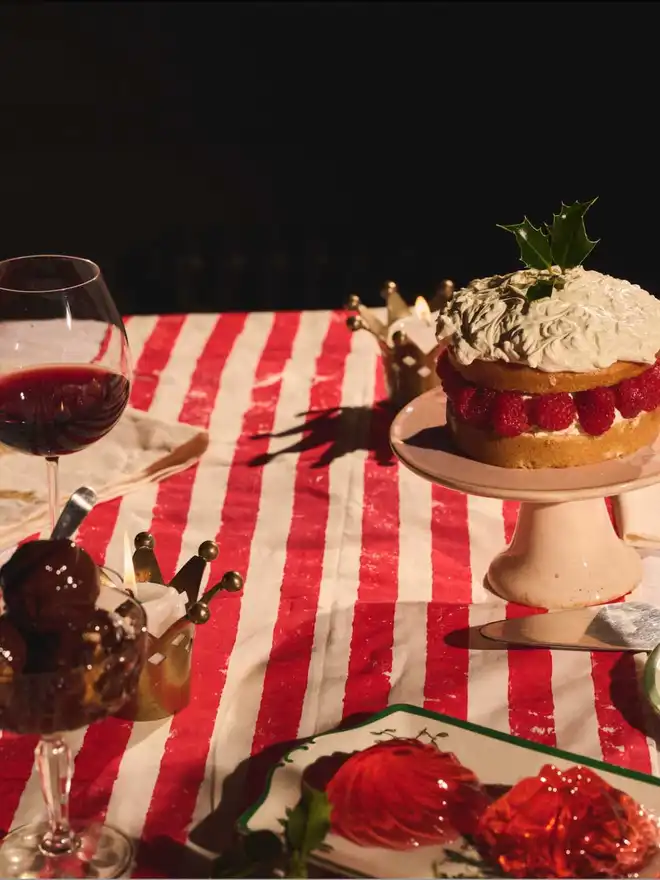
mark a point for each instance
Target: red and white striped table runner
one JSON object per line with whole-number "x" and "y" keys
{"x": 356, "y": 573}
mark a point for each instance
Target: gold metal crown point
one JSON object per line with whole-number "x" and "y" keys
{"x": 188, "y": 579}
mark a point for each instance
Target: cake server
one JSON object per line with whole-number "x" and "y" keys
{"x": 621, "y": 626}
{"x": 74, "y": 512}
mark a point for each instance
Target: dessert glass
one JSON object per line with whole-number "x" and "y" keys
{"x": 50, "y": 704}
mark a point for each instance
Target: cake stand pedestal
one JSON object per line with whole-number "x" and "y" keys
{"x": 565, "y": 552}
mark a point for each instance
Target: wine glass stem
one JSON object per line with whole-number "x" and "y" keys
{"x": 55, "y": 767}
{"x": 52, "y": 469}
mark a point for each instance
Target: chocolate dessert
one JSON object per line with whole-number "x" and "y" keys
{"x": 12, "y": 651}
{"x": 63, "y": 661}
{"x": 45, "y": 583}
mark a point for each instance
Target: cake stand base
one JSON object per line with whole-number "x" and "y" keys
{"x": 565, "y": 552}
{"x": 565, "y": 556}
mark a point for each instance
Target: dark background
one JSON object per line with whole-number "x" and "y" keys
{"x": 271, "y": 155}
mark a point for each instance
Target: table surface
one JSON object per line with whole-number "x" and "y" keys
{"x": 361, "y": 583}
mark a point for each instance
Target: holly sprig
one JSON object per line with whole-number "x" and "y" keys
{"x": 266, "y": 854}
{"x": 563, "y": 243}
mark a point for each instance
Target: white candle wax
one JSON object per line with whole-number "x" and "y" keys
{"x": 418, "y": 330}
{"x": 162, "y": 606}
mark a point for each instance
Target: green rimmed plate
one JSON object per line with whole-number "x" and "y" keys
{"x": 496, "y": 758}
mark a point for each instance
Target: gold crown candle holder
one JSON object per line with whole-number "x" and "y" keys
{"x": 164, "y": 685}
{"x": 407, "y": 339}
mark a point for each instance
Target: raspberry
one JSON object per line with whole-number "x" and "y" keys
{"x": 451, "y": 379}
{"x": 462, "y": 399}
{"x": 649, "y": 383}
{"x": 595, "y": 410}
{"x": 508, "y": 414}
{"x": 629, "y": 398}
{"x": 480, "y": 406}
{"x": 552, "y": 412}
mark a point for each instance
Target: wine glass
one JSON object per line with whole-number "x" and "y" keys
{"x": 49, "y": 703}
{"x": 65, "y": 368}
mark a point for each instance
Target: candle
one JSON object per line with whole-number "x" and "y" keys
{"x": 418, "y": 327}
{"x": 162, "y": 606}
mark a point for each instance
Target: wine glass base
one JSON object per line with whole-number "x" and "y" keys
{"x": 103, "y": 852}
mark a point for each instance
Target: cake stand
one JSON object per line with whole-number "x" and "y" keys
{"x": 565, "y": 552}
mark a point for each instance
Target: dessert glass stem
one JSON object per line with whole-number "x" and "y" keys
{"x": 52, "y": 471}
{"x": 55, "y": 767}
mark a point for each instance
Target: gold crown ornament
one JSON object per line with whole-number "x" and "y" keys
{"x": 406, "y": 338}
{"x": 173, "y": 612}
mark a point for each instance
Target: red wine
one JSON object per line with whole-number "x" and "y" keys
{"x": 58, "y": 409}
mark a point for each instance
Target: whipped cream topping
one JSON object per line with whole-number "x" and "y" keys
{"x": 590, "y": 323}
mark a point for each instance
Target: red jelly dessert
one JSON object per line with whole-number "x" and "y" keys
{"x": 566, "y": 824}
{"x": 46, "y": 583}
{"x": 401, "y": 794}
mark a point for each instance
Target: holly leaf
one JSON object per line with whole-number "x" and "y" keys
{"x": 535, "y": 250}
{"x": 568, "y": 237}
{"x": 541, "y": 289}
{"x": 306, "y": 828}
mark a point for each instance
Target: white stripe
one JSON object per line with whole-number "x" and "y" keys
{"x": 326, "y": 683}
{"x": 173, "y": 384}
{"x": 576, "y": 723}
{"x": 488, "y": 681}
{"x": 31, "y": 806}
{"x": 415, "y": 589}
{"x": 141, "y": 761}
{"x": 237, "y": 716}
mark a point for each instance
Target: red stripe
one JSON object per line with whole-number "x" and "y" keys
{"x": 610, "y": 510}
{"x": 293, "y": 635}
{"x": 154, "y": 359}
{"x": 447, "y": 662}
{"x": 370, "y": 663}
{"x": 16, "y": 762}
{"x": 183, "y": 764}
{"x": 618, "y": 705}
{"x": 17, "y": 759}
{"x": 619, "y": 711}
{"x": 97, "y": 763}
{"x": 531, "y": 701}
{"x": 105, "y": 343}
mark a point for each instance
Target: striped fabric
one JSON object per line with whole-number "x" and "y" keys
{"x": 361, "y": 583}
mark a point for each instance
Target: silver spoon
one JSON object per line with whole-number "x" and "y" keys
{"x": 74, "y": 512}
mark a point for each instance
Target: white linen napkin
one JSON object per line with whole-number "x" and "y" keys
{"x": 637, "y": 516}
{"x": 139, "y": 450}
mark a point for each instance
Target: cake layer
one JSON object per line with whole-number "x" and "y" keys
{"x": 501, "y": 376}
{"x": 554, "y": 450}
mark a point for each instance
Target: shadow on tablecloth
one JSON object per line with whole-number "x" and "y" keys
{"x": 217, "y": 832}
{"x": 336, "y": 432}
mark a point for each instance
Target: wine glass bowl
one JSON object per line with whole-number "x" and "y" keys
{"x": 65, "y": 368}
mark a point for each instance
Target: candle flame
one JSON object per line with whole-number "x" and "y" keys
{"x": 130, "y": 581}
{"x": 422, "y": 310}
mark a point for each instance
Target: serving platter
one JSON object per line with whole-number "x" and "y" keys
{"x": 498, "y": 760}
